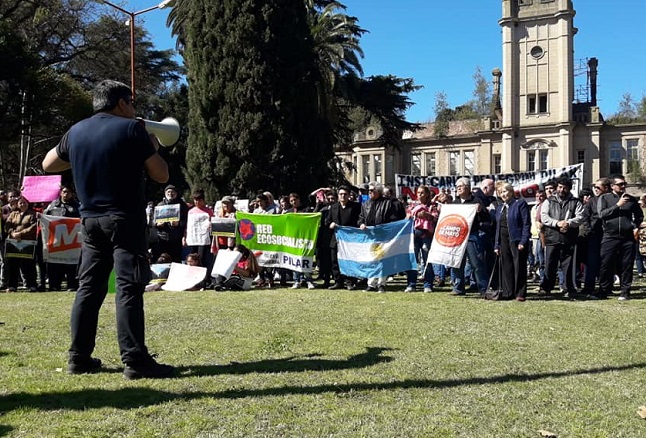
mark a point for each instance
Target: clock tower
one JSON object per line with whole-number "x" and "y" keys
{"x": 538, "y": 84}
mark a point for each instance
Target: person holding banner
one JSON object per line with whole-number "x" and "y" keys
{"x": 64, "y": 206}
{"x": 108, "y": 154}
{"x": 344, "y": 213}
{"x": 475, "y": 251}
{"x": 170, "y": 233}
{"x": 11, "y": 205}
{"x": 376, "y": 210}
{"x": 21, "y": 228}
{"x": 425, "y": 213}
{"x": 512, "y": 242}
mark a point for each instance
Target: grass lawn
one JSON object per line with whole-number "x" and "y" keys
{"x": 299, "y": 363}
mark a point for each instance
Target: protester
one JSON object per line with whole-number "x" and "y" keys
{"x": 376, "y": 210}
{"x": 21, "y": 224}
{"x": 621, "y": 217}
{"x": 561, "y": 215}
{"x": 424, "y": 213}
{"x": 344, "y": 213}
{"x": 512, "y": 242}
{"x": 170, "y": 234}
{"x": 108, "y": 154}
{"x": 245, "y": 271}
{"x": 474, "y": 253}
{"x": 63, "y": 206}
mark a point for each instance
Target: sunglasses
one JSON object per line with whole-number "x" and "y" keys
{"x": 620, "y": 184}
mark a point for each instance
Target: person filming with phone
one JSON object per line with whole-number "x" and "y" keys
{"x": 621, "y": 217}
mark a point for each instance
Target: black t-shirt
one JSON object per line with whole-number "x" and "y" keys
{"x": 107, "y": 154}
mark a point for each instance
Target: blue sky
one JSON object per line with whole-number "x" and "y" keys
{"x": 439, "y": 44}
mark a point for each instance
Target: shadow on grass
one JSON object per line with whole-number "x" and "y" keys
{"x": 136, "y": 397}
{"x": 372, "y": 356}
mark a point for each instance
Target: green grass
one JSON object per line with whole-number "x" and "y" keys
{"x": 274, "y": 363}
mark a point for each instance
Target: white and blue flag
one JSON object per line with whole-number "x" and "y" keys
{"x": 377, "y": 251}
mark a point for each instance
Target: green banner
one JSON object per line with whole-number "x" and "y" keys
{"x": 280, "y": 240}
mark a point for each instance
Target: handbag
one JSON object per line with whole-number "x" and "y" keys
{"x": 495, "y": 294}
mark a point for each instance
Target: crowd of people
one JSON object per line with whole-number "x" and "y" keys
{"x": 582, "y": 245}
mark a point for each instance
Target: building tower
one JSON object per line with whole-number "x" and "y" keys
{"x": 538, "y": 84}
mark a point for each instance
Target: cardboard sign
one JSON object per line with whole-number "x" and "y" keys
{"x": 43, "y": 188}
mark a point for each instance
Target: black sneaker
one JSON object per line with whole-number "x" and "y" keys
{"x": 147, "y": 369}
{"x": 84, "y": 367}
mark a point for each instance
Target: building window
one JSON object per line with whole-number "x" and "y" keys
{"x": 497, "y": 163}
{"x": 469, "y": 162}
{"x": 454, "y": 161}
{"x": 416, "y": 164}
{"x": 430, "y": 164}
{"x": 537, "y": 104}
{"x": 543, "y": 159}
{"x": 580, "y": 157}
{"x": 632, "y": 149}
{"x": 377, "y": 162}
{"x": 365, "y": 168}
{"x": 537, "y": 159}
{"x": 531, "y": 161}
{"x": 614, "y": 152}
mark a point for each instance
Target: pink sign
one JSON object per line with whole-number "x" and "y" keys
{"x": 44, "y": 188}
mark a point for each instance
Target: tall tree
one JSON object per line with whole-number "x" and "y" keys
{"x": 254, "y": 120}
{"x": 482, "y": 100}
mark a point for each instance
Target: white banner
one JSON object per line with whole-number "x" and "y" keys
{"x": 184, "y": 277}
{"x": 525, "y": 183}
{"x": 452, "y": 234}
{"x": 225, "y": 263}
{"x": 61, "y": 239}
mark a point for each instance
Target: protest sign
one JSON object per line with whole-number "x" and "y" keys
{"x": 19, "y": 249}
{"x": 167, "y": 213}
{"x": 61, "y": 239}
{"x": 198, "y": 229}
{"x": 223, "y": 226}
{"x": 284, "y": 240}
{"x": 42, "y": 188}
{"x": 452, "y": 234}
{"x": 525, "y": 183}
{"x": 377, "y": 251}
{"x": 225, "y": 263}
{"x": 184, "y": 277}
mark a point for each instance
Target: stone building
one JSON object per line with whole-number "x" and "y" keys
{"x": 538, "y": 122}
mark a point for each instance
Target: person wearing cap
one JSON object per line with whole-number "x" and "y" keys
{"x": 561, "y": 215}
{"x": 171, "y": 234}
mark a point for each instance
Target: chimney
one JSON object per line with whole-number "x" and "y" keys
{"x": 592, "y": 72}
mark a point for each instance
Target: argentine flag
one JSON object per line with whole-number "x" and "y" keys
{"x": 377, "y": 251}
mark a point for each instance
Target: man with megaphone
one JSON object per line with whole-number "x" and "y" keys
{"x": 107, "y": 154}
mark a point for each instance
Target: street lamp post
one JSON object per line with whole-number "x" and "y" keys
{"x": 131, "y": 23}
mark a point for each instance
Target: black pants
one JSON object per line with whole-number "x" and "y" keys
{"x": 14, "y": 266}
{"x": 513, "y": 267}
{"x": 111, "y": 241}
{"x": 559, "y": 255}
{"x": 616, "y": 251}
{"x": 56, "y": 272}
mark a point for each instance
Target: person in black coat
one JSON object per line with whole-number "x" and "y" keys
{"x": 345, "y": 213}
{"x": 512, "y": 242}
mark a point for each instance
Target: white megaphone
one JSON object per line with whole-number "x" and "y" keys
{"x": 166, "y": 131}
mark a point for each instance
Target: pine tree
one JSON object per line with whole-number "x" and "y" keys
{"x": 253, "y": 119}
